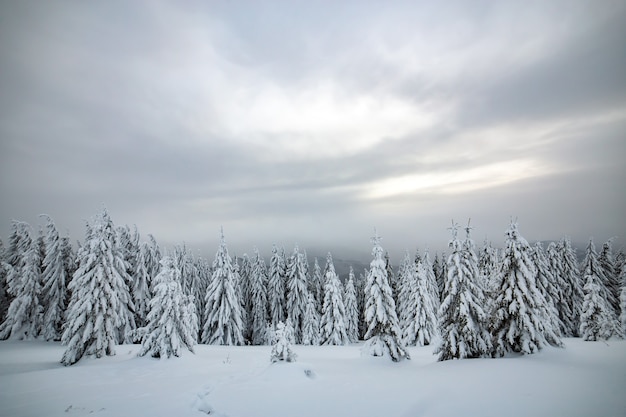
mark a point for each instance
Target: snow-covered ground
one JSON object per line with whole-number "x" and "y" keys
{"x": 584, "y": 379}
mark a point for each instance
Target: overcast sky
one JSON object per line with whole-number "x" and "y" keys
{"x": 314, "y": 122}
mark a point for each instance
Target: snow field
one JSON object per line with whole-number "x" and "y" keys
{"x": 584, "y": 379}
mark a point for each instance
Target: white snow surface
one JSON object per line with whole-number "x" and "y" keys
{"x": 584, "y": 379}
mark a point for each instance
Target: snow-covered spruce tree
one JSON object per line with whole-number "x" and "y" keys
{"x": 547, "y": 286}
{"x": 431, "y": 280}
{"x": 223, "y": 322}
{"x": 520, "y": 323}
{"x": 440, "y": 275}
{"x": 4, "y": 296}
{"x": 461, "y": 316}
{"x": 383, "y": 335}
{"x": 571, "y": 287}
{"x": 554, "y": 261}
{"x": 352, "y": 309}
{"x": 611, "y": 277}
{"x": 333, "y": 322}
{"x": 282, "y": 349}
{"x": 55, "y": 278}
{"x": 276, "y": 286}
{"x": 297, "y": 292}
{"x": 421, "y": 322}
{"x": 127, "y": 245}
{"x": 622, "y": 303}
{"x": 100, "y": 297}
{"x": 311, "y": 325}
{"x": 406, "y": 274}
{"x": 318, "y": 285}
{"x": 141, "y": 289}
{"x": 597, "y": 319}
{"x": 244, "y": 288}
{"x": 360, "y": 298}
{"x": 172, "y": 321}
{"x": 23, "y": 320}
{"x": 391, "y": 278}
{"x": 258, "y": 294}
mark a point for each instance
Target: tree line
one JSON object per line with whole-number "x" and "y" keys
{"x": 113, "y": 289}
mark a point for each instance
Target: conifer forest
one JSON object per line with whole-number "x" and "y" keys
{"x": 118, "y": 287}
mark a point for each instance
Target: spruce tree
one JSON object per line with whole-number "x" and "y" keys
{"x": 223, "y": 319}
{"x": 333, "y": 322}
{"x": 318, "y": 285}
{"x": 24, "y": 316}
{"x": 554, "y": 263}
{"x": 611, "y": 277}
{"x": 352, "y": 309}
{"x": 547, "y": 286}
{"x": 420, "y": 326}
{"x": 258, "y": 294}
{"x": 461, "y": 316}
{"x": 172, "y": 320}
{"x": 297, "y": 292}
{"x": 141, "y": 288}
{"x": 100, "y": 296}
{"x": 311, "y": 325}
{"x": 406, "y": 276}
{"x": 597, "y": 319}
{"x": 622, "y": 301}
{"x": 431, "y": 280}
{"x": 571, "y": 288}
{"x": 360, "y": 294}
{"x": 282, "y": 349}
{"x": 383, "y": 337}
{"x": 245, "y": 289}
{"x": 127, "y": 244}
{"x": 4, "y": 296}
{"x": 276, "y": 286}
{"x": 54, "y": 283}
{"x": 520, "y": 324}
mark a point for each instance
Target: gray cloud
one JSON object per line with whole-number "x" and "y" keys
{"x": 281, "y": 122}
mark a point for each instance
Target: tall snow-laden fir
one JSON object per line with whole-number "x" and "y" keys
{"x": 172, "y": 320}
{"x": 223, "y": 323}
{"x": 4, "y": 296}
{"x": 276, "y": 286}
{"x": 100, "y": 299}
{"x": 555, "y": 265}
{"x": 383, "y": 337}
{"x": 360, "y": 298}
{"x": 54, "y": 282}
{"x": 431, "y": 280}
{"x": 572, "y": 291}
{"x": 333, "y": 322}
{"x": 352, "y": 309}
{"x": 420, "y": 325}
{"x": 244, "y": 290}
{"x": 127, "y": 244}
{"x": 311, "y": 325}
{"x": 611, "y": 277}
{"x": 24, "y": 316}
{"x": 520, "y": 324}
{"x": 622, "y": 303}
{"x": 258, "y": 297}
{"x": 406, "y": 274}
{"x": 318, "y": 285}
{"x": 297, "y": 292}
{"x": 461, "y": 316}
{"x": 141, "y": 287}
{"x": 547, "y": 286}
{"x": 597, "y": 318}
